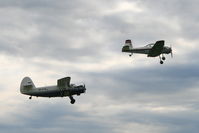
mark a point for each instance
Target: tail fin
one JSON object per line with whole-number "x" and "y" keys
{"x": 127, "y": 46}
{"x": 26, "y": 85}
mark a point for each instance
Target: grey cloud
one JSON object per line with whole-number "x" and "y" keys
{"x": 55, "y": 117}
{"x": 76, "y": 25}
{"x": 72, "y": 30}
{"x": 156, "y": 85}
{"x": 63, "y": 27}
{"x": 184, "y": 11}
{"x": 177, "y": 122}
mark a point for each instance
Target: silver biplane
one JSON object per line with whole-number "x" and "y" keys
{"x": 62, "y": 89}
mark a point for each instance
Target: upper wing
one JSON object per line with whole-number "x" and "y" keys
{"x": 63, "y": 82}
{"x": 156, "y": 50}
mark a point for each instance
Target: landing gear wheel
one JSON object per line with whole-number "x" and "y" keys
{"x": 30, "y": 97}
{"x": 72, "y": 101}
{"x": 161, "y": 62}
{"x": 163, "y": 58}
{"x": 130, "y": 55}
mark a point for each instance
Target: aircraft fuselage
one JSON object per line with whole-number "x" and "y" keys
{"x": 62, "y": 89}
{"x": 54, "y": 91}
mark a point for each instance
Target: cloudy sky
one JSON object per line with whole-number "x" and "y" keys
{"x": 47, "y": 40}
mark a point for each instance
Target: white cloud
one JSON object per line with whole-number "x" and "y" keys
{"x": 123, "y": 7}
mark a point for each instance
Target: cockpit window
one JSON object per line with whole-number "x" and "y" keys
{"x": 72, "y": 85}
{"x": 150, "y": 45}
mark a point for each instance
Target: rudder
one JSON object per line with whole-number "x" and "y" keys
{"x": 26, "y": 85}
{"x": 127, "y": 46}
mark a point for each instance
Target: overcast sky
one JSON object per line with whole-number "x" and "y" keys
{"x": 47, "y": 40}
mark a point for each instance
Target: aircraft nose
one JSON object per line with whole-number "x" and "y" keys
{"x": 83, "y": 89}
{"x": 170, "y": 50}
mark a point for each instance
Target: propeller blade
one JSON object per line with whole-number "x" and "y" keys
{"x": 171, "y": 52}
{"x": 84, "y": 85}
{"x": 84, "y": 88}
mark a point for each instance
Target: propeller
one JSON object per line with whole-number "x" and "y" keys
{"x": 171, "y": 52}
{"x": 84, "y": 86}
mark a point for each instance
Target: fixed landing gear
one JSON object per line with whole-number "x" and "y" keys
{"x": 72, "y": 100}
{"x": 162, "y": 59}
{"x": 30, "y": 97}
{"x": 130, "y": 55}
